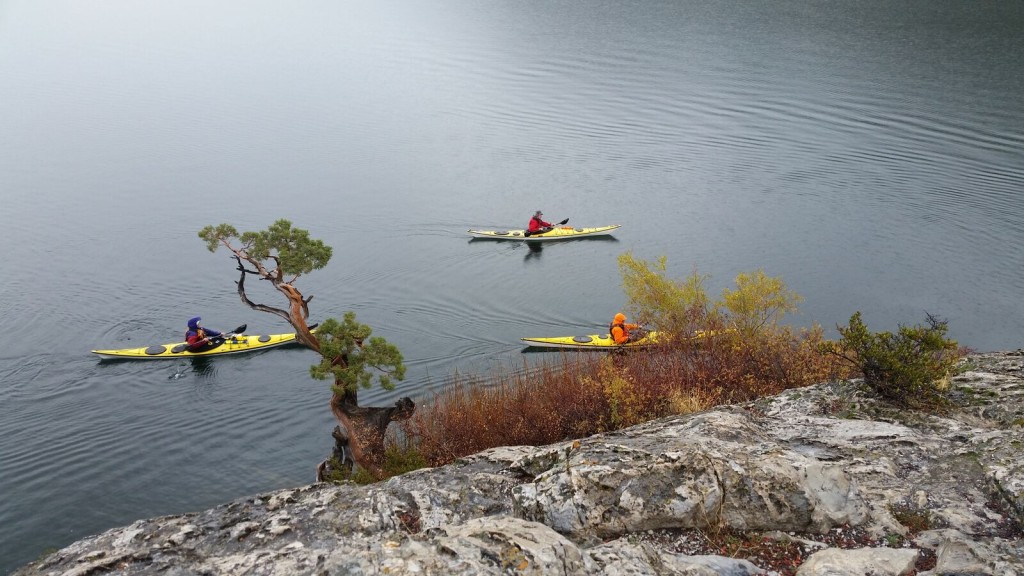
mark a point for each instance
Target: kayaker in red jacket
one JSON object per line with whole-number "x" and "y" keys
{"x": 537, "y": 224}
{"x": 199, "y": 338}
{"x": 619, "y": 330}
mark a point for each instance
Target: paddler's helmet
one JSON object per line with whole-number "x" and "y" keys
{"x": 620, "y": 318}
{"x": 193, "y": 323}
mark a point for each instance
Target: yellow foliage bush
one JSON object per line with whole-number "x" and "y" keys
{"x": 745, "y": 354}
{"x": 758, "y": 302}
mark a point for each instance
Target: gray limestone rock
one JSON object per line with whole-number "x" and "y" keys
{"x": 803, "y": 466}
{"x": 875, "y": 561}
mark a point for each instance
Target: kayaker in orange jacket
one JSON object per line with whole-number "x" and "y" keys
{"x": 619, "y": 330}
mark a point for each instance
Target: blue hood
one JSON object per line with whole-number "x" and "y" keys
{"x": 193, "y": 323}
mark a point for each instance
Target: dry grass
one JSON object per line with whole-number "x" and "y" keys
{"x": 578, "y": 395}
{"x": 530, "y": 406}
{"x": 778, "y": 553}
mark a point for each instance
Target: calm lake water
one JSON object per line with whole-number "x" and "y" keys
{"x": 869, "y": 153}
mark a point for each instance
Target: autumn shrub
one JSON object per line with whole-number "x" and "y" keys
{"x": 736, "y": 342}
{"x": 629, "y": 400}
{"x": 909, "y": 368}
{"x": 782, "y": 358}
{"x": 690, "y": 401}
{"x": 578, "y": 395}
{"x": 535, "y": 405}
{"x": 708, "y": 353}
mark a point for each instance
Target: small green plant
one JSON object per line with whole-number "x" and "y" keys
{"x": 967, "y": 366}
{"x": 402, "y": 459}
{"x": 910, "y": 368}
{"x": 915, "y": 519}
{"x": 337, "y": 473}
{"x": 46, "y": 553}
{"x": 397, "y": 460}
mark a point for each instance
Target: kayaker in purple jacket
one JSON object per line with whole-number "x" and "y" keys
{"x": 199, "y": 338}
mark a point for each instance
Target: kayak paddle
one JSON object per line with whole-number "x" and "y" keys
{"x": 224, "y": 337}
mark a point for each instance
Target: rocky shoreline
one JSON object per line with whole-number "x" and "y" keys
{"x": 818, "y": 480}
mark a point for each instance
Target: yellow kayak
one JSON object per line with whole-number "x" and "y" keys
{"x": 556, "y": 233}
{"x": 589, "y": 342}
{"x": 604, "y": 341}
{"x": 233, "y": 344}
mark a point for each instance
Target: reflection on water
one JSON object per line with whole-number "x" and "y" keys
{"x": 203, "y": 366}
{"x": 534, "y": 250}
{"x": 867, "y": 153}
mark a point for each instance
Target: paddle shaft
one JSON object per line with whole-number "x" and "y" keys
{"x": 225, "y": 336}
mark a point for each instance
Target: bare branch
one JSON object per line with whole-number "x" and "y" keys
{"x": 245, "y": 299}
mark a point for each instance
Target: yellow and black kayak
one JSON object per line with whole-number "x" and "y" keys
{"x": 605, "y": 342}
{"x": 233, "y": 344}
{"x": 556, "y": 233}
{"x": 590, "y": 342}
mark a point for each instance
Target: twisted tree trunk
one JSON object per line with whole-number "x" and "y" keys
{"x": 359, "y": 436}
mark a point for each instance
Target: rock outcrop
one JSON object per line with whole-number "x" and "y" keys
{"x": 847, "y": 483}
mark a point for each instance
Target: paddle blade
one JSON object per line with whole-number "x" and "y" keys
{"x": 563, "y": 222}
{"x": 240, "y": 329}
